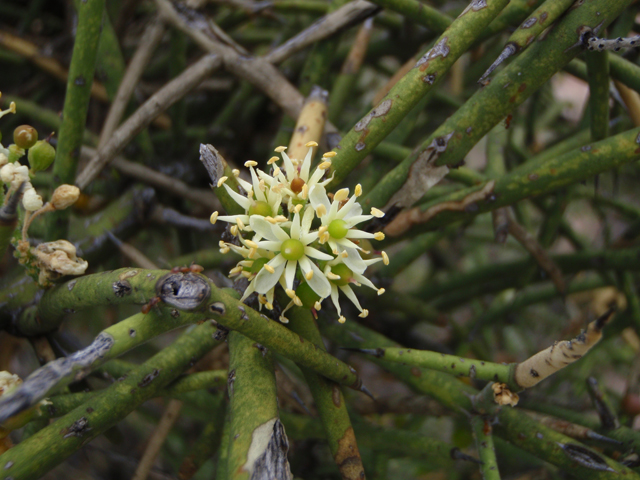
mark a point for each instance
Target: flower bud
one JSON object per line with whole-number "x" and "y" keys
{"x": 41, "y": 155}
{"x": 6, "y": 172}
{"x": 31, "y": 200}
{"x": 64, "y": 196}
{"x": 25, "y": 136}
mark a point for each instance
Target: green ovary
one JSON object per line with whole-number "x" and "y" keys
{"x": 260, "y": 208}
{"x": 345, "y": 274}
{"x": 258, "y": 264}
{"x": 307, "y": 295}
{"x": 338, "y": 229}
{"x": 292, "y": 249}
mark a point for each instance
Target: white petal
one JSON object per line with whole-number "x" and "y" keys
{"x": 244, "y": 184}
{"x": 295, "y": 226}
{"x": 318, "y": 282}
{"x": 350, "y": 209}
{"x": 318, "y": 196}
{"x": 359, "y": 234}
{"x": 335, "y": 298}
{"x": 306, "y": 165}
{"x": 307, "y": 219}
{"x": 313, "y": 253}
{"x": 288, "y": 166}
{"x": 256, "y": 187}
{"x": 290, "y": 273}
{"x": 307, "y": 238}
{"x": 348, "y": 244}
{"x": 364, "y": 280}
{"x": 265, "y": 281}
{"x": 356, "y": 219}
{"x": 241, "y": 200}
{"x": 354, "y": 261}
{"x": 263, "y": 228}
{"x": 279, "y": 233}
{"x": 271, "y": 246}
{"x": 346, "y": 289}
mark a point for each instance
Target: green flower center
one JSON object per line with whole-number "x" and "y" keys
{"x": 260, "y": 208}
{"x": 338, "y": 229}
{"x": 292, "y": 249}
{"x": 345, "y": 274}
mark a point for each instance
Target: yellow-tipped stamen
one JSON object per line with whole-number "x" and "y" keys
{"x": 281, "y": 219}
{"x": 269, "y": 268}
{"x": 236, "y": 172}
{"x": 261, "y": 185}
{"x": 377, "y": 213}
{"x": 381, "y": 291}
{"x": 225, "y": 250}
{"x": 241, "y": 225}
{"x": 290, "y": 293}
{"x": 222, "y": 180}
{"x": 283, "y": 319}
{"x": 311, "y": 144}
{"x": 280, "y": 149}
{"x": 234, "y": 230}
{"x": 250, "y": 163}
{"x": 276, "y": 171}
{"x": 213, "y": 218}
{"x": 262, "y": 299}
{"x": 322, "y": 229}
{"x": 271, "y": 220}
{"x": 364, "y": 314}
{"x": 342, "y": 319}
{"x": 304, "y": 194}
{"x": 252, "y": 253}
{"x": 235, "y": 270}
{"x": 297, "y": 301}
{"x": 309, "y": 275}
{"x": 222, "y": 244}
{"x": 358, "y": 190}
{"x": 297, "y": 208}
{"x": 317, "y": 306}
{"x": 11, "y": 109}
{"x": 269, "y": 306}
{"x": 385, "y": 257}
{"x": 344, "y": 254}
{"x": 341, "y": 195}
{"x": 332, "y": 276}
{"x": 251, "y": 244}
{"x": 329, "y": 154}
{"x": 246, "y": 274}
{"x": 379, "y": 236}
{"x": 321, "y": 210}
{"x": 324, "y": 166}
{"x": 272, "y": 160}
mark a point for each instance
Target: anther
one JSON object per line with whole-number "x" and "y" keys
{"x": 381, "y": 291}
{"x": 222, "y": 180}
{"x": 341, "y": 195}
{"x": 309, "y": 275}
{"x": 385, "y": 257}
{"x": 379, "y": 236}
{"x": 280, "y": 149}
{"x": 358, "y": 190}
{"x": 324, "y": 166}
{"x": 269, "y": 268}
{"x": 342, "y": 319}
{"x": 329, "y": 154}
{"x": 272, "y": 160}
{"x": 250, "y": 163}
{"x": 213, "y": 218}
{"x": 364, "y": 314}
{"x": 311, "y": 144}
{"x": 377, "y": 213}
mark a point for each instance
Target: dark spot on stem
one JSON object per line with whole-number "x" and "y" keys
{"x": 121, "y": 288}
{"x": 150, "y": 377}
{"x": 218, "y": 308}
{"x": 79, "y": 81}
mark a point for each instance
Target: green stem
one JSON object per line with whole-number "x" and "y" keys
{"x": 482, "y": 431}
{"x": 460, "y": 132}
{"x": 419, "y": 12}
{"x": 330, "y": 402}
{"x": 41, "y": 452}
{"x": 598, "y": 76}
{"x": 429, "y": 70}
{"x": 253, "y": 406}
{"x": 76, "y": 103}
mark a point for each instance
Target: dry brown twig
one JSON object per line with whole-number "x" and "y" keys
{"x": 156, "y": 104}
{"x": 147, "y": 45}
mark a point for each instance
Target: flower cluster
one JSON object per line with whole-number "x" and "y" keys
{"x": 293, "y": 233}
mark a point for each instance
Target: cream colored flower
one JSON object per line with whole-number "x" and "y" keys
{"x": 31, "y": 200}
{"x": 338, "y": 221}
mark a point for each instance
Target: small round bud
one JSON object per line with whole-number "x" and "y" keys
{"x": 297, "y": 184}
{"x": 25, "y": 136}
{"x": 260, "y": 208}
{"x": 41, "y": 155}
{"x": 292, "y": 249}
{"x": 64, "y": 196}
{"x": 31, "y": 200}
{"x": 338, "y": 228}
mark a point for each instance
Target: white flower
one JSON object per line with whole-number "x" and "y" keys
{"x": 31, "y": 200}
{"x": 291, "y": 249}
{"x": 260, "y": 200}
{"x": 338, "y": 224}
{"x": 14, "y": 174}
{"x": 341, "y": 276}
{"x": 4, "y": 153}
{"x": 296, "y": 181}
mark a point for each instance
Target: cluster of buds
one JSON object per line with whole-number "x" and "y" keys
{"x": 50, "y": 260}
{"x": 295, "y": 234}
